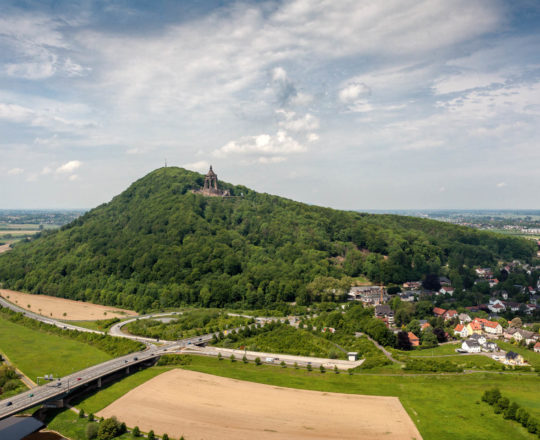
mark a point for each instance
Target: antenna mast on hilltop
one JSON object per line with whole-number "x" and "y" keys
{"x": 165, "y": 163}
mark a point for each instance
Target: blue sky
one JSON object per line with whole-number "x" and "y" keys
{"x": 350, "y": 104}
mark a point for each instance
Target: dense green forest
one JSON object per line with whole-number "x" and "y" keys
{"x": 157, "y": 244}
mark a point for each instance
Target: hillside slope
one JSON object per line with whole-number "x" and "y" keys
{"x": 158, "y": 244}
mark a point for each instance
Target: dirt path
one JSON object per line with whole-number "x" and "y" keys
{"x": 384, "y": 350}
{"x": 202, "y": 406}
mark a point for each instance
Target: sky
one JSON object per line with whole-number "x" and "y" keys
{"x": 361, "y": 104}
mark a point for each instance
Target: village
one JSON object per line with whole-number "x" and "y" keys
{"x": 477, "y": 327}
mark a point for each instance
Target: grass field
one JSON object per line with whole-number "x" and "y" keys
{"x": 442, "y": 406}
{"x": 445, "y": 349}
{"x": 36, "y": 353}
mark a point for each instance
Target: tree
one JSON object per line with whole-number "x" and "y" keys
{"x": 511, "y": 411}
{"x": 258, "y": 361}
{"x": 532, "y": 425}
{"x": 431, "y": 282}
{"x": 136, "y": 432}
{"x": 516, "y": 322}
{"x": 429, "y": 339}
{"x": 309, "y": 367}
{"x": 522, "y": 416}
{"x": 403, "y": 342}
{"x": 321, "y": 367}
{"x": 336, "y": 370}
{"x": 296, "y": 365}
{"x": 151, "y": 435}
{"x": 244, "y": 359}
{"x": 108, "y": 429}
{"x": 219, "y": 356}
{"x": 233, "y": 359}
{"x": 91, "y": 431}
{"x": 81, "y": 413}
{"x": 165, "y": 437}
{"x": 283, "y": 365}
{"x": 91, "y": 417}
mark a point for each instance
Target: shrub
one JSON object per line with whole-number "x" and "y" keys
{"x": 244, "y": 359}
{"x": 532, "y": 425}
{"x": 491, "y": 396}
{"x": 108, "y": 429}
{"x": 522, "y": 416}
{"x": 232, "y": 358}
{"x": 219, "y": 356}
{"x": 257, "y": 361}
{"x": 308, "y": 367}
{"x": 323, "y": 370}
{"x": 91, "y": 430}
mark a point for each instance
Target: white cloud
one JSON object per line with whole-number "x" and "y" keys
{"x": 352, "y": 91}
{"x": 262, "y": 145}
{"x": 501, "y": 184}
{"x": 312, "y": 137}
{"x": 46, "y": 170}
{"x": 69, "y": 167}
{"x": 292, "y": 122}
{"x": 15, "y": 171}
{"x": 200, "y": 166}
{"x": 466, "y": 81}
{"x": 73, "y": 177}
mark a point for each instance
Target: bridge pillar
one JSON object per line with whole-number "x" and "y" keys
{"x": 99, "y": 382}
{"x": 127, "y": 370}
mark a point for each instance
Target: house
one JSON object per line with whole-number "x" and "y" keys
{"x": 537, "y": 347}
{"x": 461, "y": 331}
{"x": 493, "y": 282}
{"x": 444, "y": 281}
{"x": 510, "y": 332}
{"x": 493, "y": 328}
{"x": 490, "y": 346}
{"x": 369, "y": 295}
{"x": 328, "y": 329}
{"x": 512, "y": 306}
{"x": 496, "y": 306}
{"x": 384, "y": 311}
{"x": 484, "y": 272}
{"x": 352, "y": 355}
{"x": 464, "y": 318}
{"x": 413, "y": 339}
{"x": 471, "y": 346}
{"x": 530, "y": 308}
{"x": 438, "y": 312}
{"x": 412, "y": 285}
{"x": 481, "y": 339}
{"x": 407, "y": 295}
{"x": 446, "y": 290}
{"x": 449, "y": 314}
{"x": 474, "y": 327}
{"x": 527, "y": 336}
{"x": 512, "y": 358}
{"x": 425, "y": 325}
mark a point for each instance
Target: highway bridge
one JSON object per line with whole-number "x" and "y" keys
{"x": 58, "y": 389}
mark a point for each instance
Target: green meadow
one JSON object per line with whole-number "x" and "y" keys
{"x": 37, "y": 353}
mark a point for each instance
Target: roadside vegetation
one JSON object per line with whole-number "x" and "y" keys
{"x": 101, "y": 324}
{"x": 188, "y": 324}
{"x": 112, "y": 346}
{"x": 9, "y": 381}
{"x": 276, "y": 337}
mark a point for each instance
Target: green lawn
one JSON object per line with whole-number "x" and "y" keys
{"x": 36, "y": 353}
{"x": 437, "y": 351}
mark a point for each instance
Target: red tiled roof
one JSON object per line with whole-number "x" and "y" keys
{"x": 451, "y": 312}
{"x": 412, "y": 336}
{"x": 438, "y": 311}
{"x": 475, "y": 325}
{"x": 425, "y": 325}
{"x": 458, "y": 328}
{"x": 491, "y": 324}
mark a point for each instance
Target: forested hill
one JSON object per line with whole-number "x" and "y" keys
{"x": 159, "y": 244}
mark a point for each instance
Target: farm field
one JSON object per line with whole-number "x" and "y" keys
{"x": 37, "y": 353}
{"x": 197, "y": 405}
{"x": 441, "y": 350}
{"x": 4, "y": 248}
{"x": 441, "y": 406}
{"x": 61, "y": 308}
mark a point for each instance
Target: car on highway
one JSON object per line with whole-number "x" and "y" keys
{"x": 31, "y": 395}
{"x": 135, "y": 358}
{"x": 9, "y": 403}
{"x": 79, "y": 378}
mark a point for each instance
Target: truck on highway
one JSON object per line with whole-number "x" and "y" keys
{"x": 269, "y": 359}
